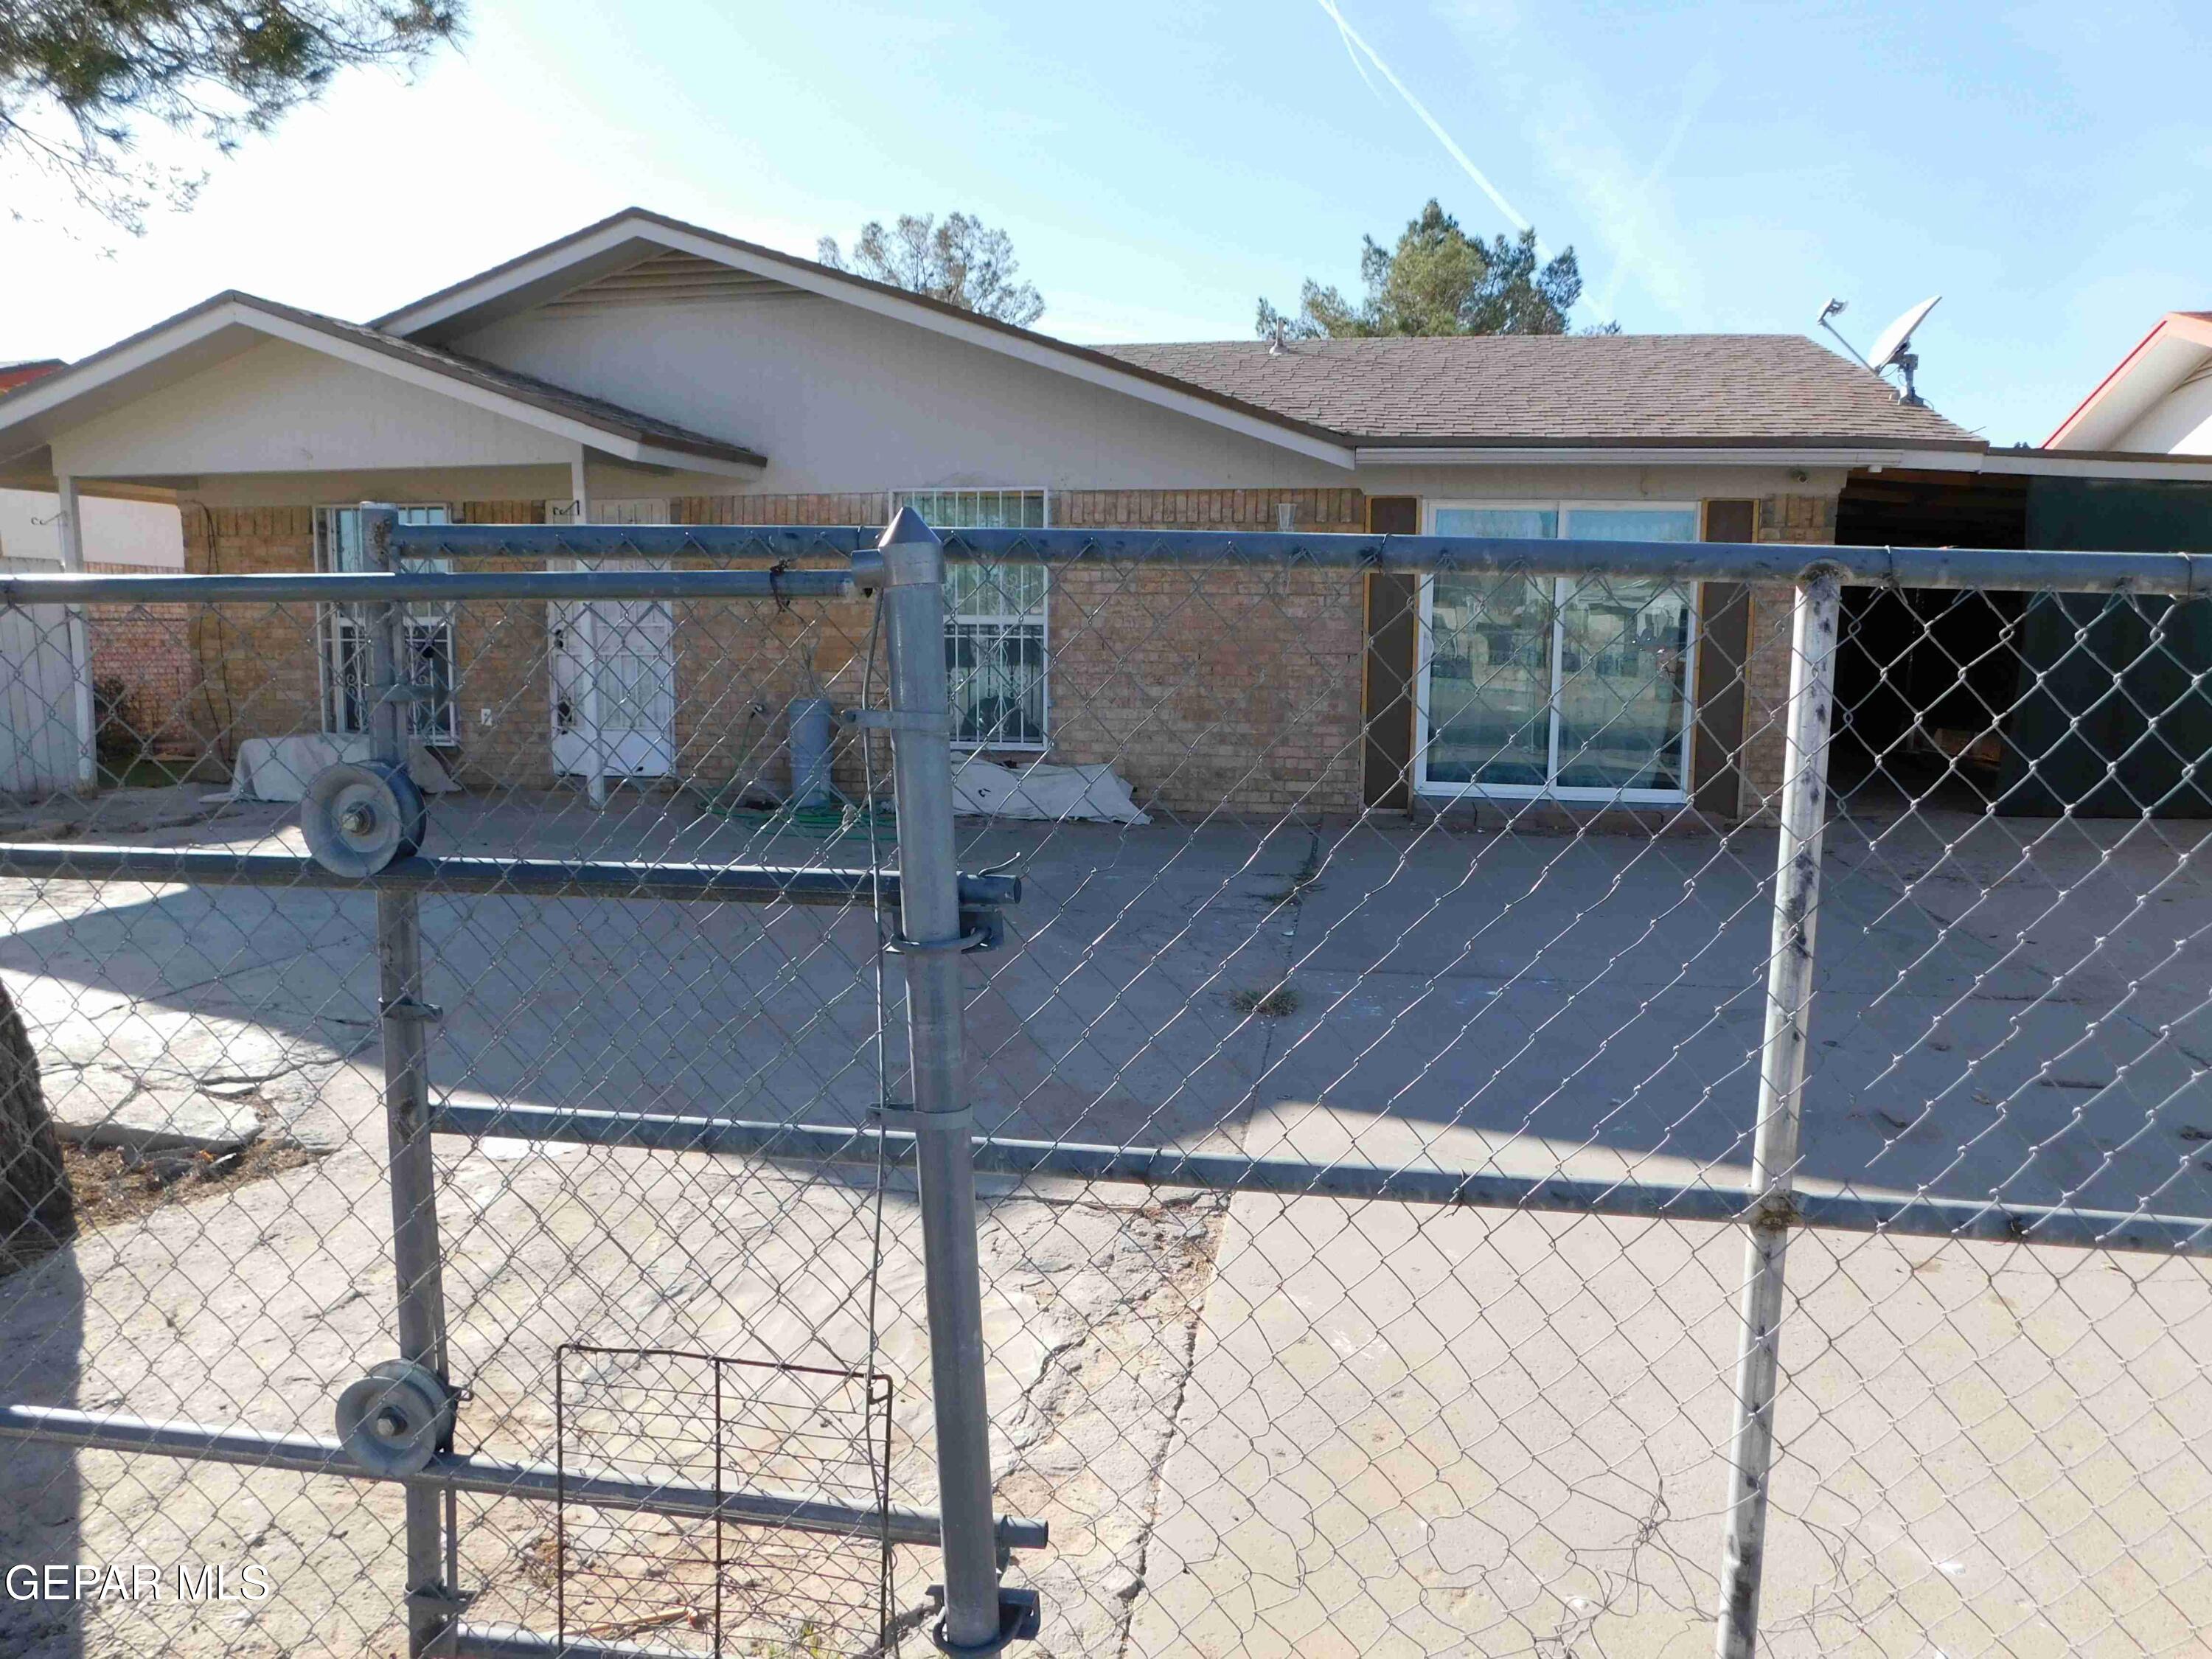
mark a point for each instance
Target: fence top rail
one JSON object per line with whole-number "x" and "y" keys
{"x": 2181, "y": 574}
{"x": 426, "y": 586}
{"x": 2184, "y": 574}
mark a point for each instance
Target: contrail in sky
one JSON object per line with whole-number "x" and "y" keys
{"x": 1352, "y": 40}
{"x": 1628, "y": 250}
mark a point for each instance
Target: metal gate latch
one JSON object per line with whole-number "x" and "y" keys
{"x": 1020, "y": 1615}
{"x": 981, "y": 928}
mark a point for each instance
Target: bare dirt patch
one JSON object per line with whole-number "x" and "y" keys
{"x": 113, "y": 1185}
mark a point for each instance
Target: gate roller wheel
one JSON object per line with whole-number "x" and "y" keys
{"x": 394, "y": 1420}
{"x": 359, "y": 818}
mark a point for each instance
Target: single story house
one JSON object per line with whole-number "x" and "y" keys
{"x": 646, "y": 370}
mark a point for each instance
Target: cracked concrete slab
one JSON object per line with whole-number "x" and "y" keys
{"x": 1447, "y": 1431}
{"x": 1258, "y": 1425}
{"x": 156, "y": 1121}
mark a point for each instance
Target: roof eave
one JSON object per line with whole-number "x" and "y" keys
{"x": 2106, "y": 464}
{"x": 1812, "y": 451}
{"x": 142, "y": 351}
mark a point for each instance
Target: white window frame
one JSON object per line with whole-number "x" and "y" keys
{"x": 1001, "y": 621}
{"x": 1578, "y": 794}
{"x": 334, "y": 622}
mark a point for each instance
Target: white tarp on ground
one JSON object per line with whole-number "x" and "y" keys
{"x": 280, "y": 768}
{"x": 983, "y": 788}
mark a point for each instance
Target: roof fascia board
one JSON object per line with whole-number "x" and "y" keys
{"x": 683, "y": 460}
{"x": 2181, "y": 468}
{"x": 532, "y": 272}
{"x": 536, "y": 277}
{"x": 1949, "y": 460}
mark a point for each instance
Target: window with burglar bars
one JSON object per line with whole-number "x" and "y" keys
{"x": 996, "y": 622}
{"x": 347, "y": 658}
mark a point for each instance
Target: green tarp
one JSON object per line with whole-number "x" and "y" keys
{"x": 2113, "y": 709}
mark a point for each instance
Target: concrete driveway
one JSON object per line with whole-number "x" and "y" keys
{"x": 1257, "y": 1424}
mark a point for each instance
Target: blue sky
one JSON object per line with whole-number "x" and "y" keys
{"x": 2046, "y": 168}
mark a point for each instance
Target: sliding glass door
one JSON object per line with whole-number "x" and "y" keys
{"x": 1575, "y": 687}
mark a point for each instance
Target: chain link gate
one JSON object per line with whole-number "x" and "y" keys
{"x": 365, "y": 824}
{"x": 1759, "y": 1204}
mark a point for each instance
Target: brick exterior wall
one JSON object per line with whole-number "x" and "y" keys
{"x": 1241, "y": 693}
{"x": 143, "y": 674}
{"x": 256, "y": 670}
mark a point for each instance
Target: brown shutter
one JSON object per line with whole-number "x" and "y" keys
{"x": 1393, "y": 515}
{"x": 1724, "y": 641}
{"x": 1387, "y": 686}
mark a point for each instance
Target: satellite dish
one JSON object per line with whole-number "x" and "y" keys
{"x": 1889, "y": 348}
{"x": 1894, "y": 347}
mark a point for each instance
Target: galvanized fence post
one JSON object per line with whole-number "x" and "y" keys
{"x": 929, "y": 923}
{"x": 1810, "y": 718}
{"x": 414, "y": 1247}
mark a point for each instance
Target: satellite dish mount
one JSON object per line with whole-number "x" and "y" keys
{"x": 1893, "y": 348}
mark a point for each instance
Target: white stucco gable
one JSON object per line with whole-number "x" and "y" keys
{"x": 281, "y": 408}
{"x": 819, "y": 353}
{"x": 846, "y": 398}
{"x": 243, "y": 384}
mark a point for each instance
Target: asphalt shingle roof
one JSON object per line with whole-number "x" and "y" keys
{"x": 1562, "y": 390}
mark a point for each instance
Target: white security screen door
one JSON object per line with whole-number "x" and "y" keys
{"x": 614, "y": 671}
{"x": 38, "y": 689}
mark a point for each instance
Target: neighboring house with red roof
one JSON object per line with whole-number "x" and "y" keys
{"x": 22, "y": 374}
{"x": 2158, "y": 400}
{"x": 646, "y": 370}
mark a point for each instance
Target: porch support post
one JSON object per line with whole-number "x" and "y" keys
{"x": 1810, "y": 719}
{"x": 586, "y": 630}
{"x": 69, "y": 531}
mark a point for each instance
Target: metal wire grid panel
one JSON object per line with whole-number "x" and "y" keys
{"x": 666, "y": 1417}
{"x": 1365, "y": 1235}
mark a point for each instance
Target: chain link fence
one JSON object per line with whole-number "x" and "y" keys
{"x": 1534, "y": 1097}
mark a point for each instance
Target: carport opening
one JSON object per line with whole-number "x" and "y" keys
{"x": 2034, "y": 704}
{"x": 1924, "y": 677}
